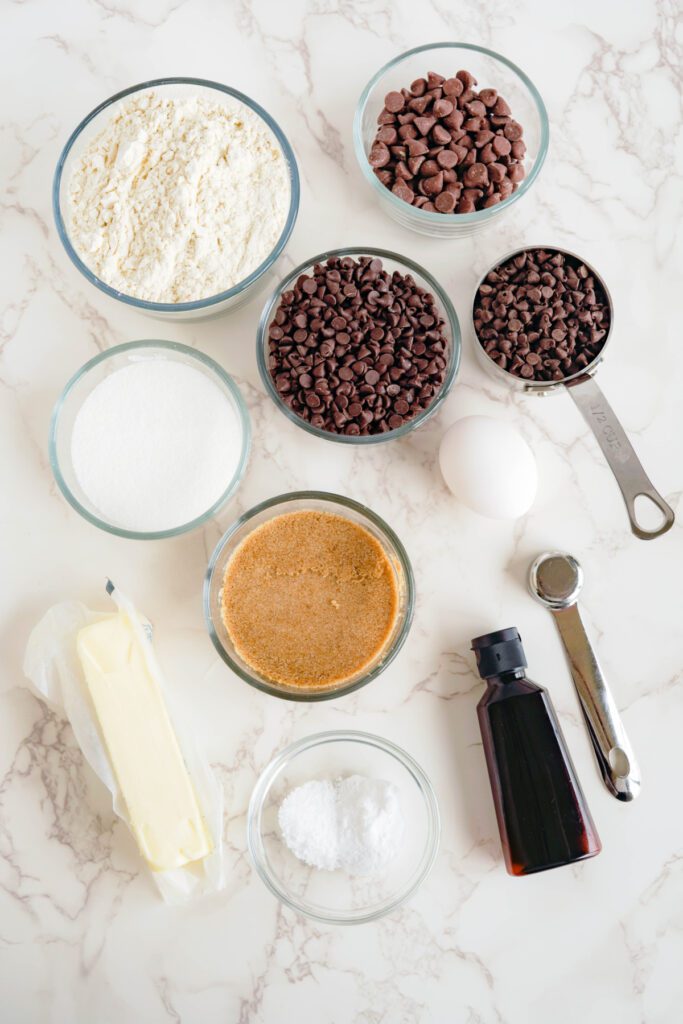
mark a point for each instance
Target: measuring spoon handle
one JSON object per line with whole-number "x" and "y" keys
{"x": 618, "y": 450}
{"x": 613, "y": 750}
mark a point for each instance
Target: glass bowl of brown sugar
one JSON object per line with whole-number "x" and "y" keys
{"x": 309, "y": 596}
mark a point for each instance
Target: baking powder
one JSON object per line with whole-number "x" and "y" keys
{"x": 353, "y": 824}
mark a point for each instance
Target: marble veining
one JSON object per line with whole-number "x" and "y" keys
{"x": 83, "y": 935}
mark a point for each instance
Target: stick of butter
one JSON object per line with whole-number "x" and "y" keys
{"x": 162, "y": 805}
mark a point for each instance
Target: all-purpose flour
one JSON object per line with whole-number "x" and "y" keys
{"x": 155, "y": 444}
{"x": 178, "y": 199}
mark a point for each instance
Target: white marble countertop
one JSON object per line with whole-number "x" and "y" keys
{"x": 84, "y": 938}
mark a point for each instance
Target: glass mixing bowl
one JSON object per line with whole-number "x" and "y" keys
{"x": 334, "y": 897}
{"x": 81, "y": 385}
{"x": 492, "y": 72}
{"x": 392, "y": 261}
{"x": 296, "y": 501}
{"x": 91, "y": 125}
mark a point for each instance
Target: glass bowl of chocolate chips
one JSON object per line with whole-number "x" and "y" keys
{"x": 358, "y": 345}
{"x": 449, "y": 136}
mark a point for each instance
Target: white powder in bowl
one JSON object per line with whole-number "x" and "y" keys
{"x": 155, "y": 444}
{"x": 354, "y": 824}
{"x": 177, "y": 199}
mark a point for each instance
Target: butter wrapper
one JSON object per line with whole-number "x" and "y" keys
{"x": 56, "y": 674}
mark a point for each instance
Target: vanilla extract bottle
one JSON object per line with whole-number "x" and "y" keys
{"x": 543, "y": 818}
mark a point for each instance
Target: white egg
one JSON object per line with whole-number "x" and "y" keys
{"x": 489, "y": 466}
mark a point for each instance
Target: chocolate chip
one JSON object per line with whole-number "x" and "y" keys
{"x": 373, "y": 350}
{"x": 442, "y": 108}
{"x": 452, "y": 87}
{"x": 476, "y": 174}
{"x": 445, "y": 202}
{"x": 542, "y": 333}
{"x": 446, "y": 158}
{"x": 394, "y": 102}
{"x": 433, "y": 185}
{"x": 443, "y": 126}
{"x": 501, "y": 146}
{"x": 441, "y": 135}
{"x": 403, "y": 191}
{"x": 379, "y": 155}
{"x": 488, "y": 97}
{"x": 424, "y": 124}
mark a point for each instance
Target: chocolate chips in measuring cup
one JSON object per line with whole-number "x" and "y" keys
{"x": 447, "y": 148}
{"x": 357, "y": 350}
{"x": 542, "y": 315}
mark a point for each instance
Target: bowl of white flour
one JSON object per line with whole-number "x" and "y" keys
{"x": 149, "y": 439}
{"x": 176, "y": 197}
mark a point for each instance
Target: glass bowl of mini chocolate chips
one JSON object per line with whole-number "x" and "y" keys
{"x": 449, "y": 136}
{"x": 358, "y": 345}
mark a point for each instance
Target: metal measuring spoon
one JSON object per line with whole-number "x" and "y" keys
{"x": 555, "y": 579}
{"x": 632, "y": 479}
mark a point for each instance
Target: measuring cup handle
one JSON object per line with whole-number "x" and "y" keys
{"x": 617, "y": 449}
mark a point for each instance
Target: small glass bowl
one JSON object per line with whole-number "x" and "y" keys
{"x": 334, "y": 897}
{"x": 492, "y": 72}
{"x": 392, "y": 261}
{"x": 82, "y": 384}
{"x": 212, "y": 305}
{"x": 295, "y": 501}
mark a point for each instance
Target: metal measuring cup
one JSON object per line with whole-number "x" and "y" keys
{"x": 632, "y": 479}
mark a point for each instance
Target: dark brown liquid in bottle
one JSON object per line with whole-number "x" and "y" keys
{"x": 542, "y": 813}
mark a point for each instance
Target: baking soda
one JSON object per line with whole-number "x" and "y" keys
{"x": 353, "y": 824}
{"x": 155, "y": 445}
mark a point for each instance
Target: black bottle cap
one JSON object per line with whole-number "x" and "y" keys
{"x": 499, "y": 652}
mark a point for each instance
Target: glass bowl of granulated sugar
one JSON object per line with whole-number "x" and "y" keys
{"x": 149, "y": 439}
{"x": 176, "y": 197}
{"x": 343, "y": 827}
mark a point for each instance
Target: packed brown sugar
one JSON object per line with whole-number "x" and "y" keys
{"x": 310, "y": 599}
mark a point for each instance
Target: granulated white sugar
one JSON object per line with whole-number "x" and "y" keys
{"x": 155, "y": 445}
{"x": 353, "y": 824}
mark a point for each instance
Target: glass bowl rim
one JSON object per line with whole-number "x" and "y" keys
{"x": 209, "y": 300}
{"x": 479, "y": 216}
{"x": 383, "y": 527}
{"x": 168, "y": 346}
{"x": 412, "y": 267}
{"x": 285, "y": 757}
